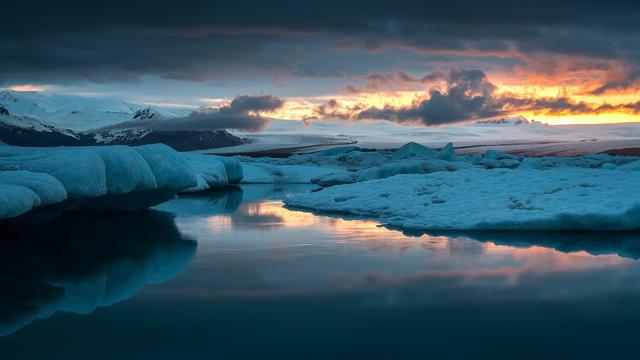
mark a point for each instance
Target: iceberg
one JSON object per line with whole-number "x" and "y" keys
{"x": 105, "y": 178}
{"x": 265, "y": 173}
{"x": 567, "y": 198}
{"x": 350, "y": 164}
{"x": 213, "y": 171}
{"x": 23, "y": 191}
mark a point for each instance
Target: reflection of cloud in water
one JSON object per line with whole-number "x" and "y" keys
{"x": 625, "y": 244}
{"x": 267, "y": 250}
{"x": 77, "y": 263}
{"x": 269, "y": 214}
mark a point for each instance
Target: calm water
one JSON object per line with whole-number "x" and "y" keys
{"x": 233, "y": 274}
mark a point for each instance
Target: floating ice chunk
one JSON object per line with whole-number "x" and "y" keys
{"x": 390, "y": 169}
{"x": 494, "y": 159}
{"x": 109, "y": 178}
{"x": 209, "y": 174}
{"x": 447, "y": 153}
{"x": 406, "y": 167}
{"x": 80, "y": 170}
{"x": 125, "y": 170}
{"x": 532, "y": 163}
{"x": 497, "y": 155}
{"x": 414, "y": 150}
{"x": 336, "y": 178}
{"x": 23, "y": 191}
{"x": 257, "y": 173}
{"x": 337, "y": 150}
{"x": 232, "y": 167}
{"x": 479, "y": 199}
{"x": 213, "y": 171}
{"x": 169, "y": 167}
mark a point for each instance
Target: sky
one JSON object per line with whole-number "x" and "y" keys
{"x": 428, "y": 63}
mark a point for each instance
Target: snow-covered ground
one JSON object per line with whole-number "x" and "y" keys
{"x": 419, "y": 188}
{"x": 499, "y": 199}
{"x": 103, "y": 178}
{"x": 349, "y": 164}
{"x": 513, "y": 135}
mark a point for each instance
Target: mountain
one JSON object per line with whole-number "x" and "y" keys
{"x": 181, "y": 140}
{"x": 27, "y": 131}
{"x": 78, "y": 113}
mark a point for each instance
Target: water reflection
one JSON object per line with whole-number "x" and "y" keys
{"x": 270, "y": 280}
{"x": 77, "y": 263}
{"x": 267, "y": 250}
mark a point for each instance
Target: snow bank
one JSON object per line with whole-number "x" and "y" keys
{"x": 480, "y": 199}
{"x": 105, "y": 178}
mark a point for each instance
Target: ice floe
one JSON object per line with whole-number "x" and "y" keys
{"x": 498, "y": 199}
{"x": 105, "y": 178}
{"x": 427, "y": 189}
{"x": 350, "y": 164}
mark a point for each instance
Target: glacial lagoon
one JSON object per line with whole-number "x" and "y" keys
{"x": 234, "y": 274}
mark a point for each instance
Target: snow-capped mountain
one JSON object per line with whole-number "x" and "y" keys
{"x": 78, "y": 113}
{"x": 183, "y": 140}
{"x": 147, "y": 113}
{"x": 88, "y": 119}
{"x": 16, "y": 103}
{"x": 27, "y": 131}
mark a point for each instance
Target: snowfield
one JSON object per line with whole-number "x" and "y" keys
{"x": 423, "y": 189}
{"x": 105, "y": 178}
{"x": 499, "y": 199}
{"x": 351, "y": 164}
{"x": 412, "y": 187}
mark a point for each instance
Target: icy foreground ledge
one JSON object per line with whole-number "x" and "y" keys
{"x": 499, "y": 199}
{"x": 105, "y": 178}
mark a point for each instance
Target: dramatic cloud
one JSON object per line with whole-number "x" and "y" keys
{"x": 469, "y": 95}
{"x": 242, "y": 113}
{"x": 252, "y": 104}
{"x": 198, "y": 40}
{"x": 307, "y": 51}
{"x": 211, "y": 120}
{"x": 466, "y": 95}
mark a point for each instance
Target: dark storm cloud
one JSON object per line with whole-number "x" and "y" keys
{"x": 246, "y": 103}
{"x": 212, "y": 120}
{"x": 241, "y": 114}
{"x": 469, "y": 95}
{"x": 197, "y": 40}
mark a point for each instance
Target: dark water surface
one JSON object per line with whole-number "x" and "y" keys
{"x": 233, "y": 274}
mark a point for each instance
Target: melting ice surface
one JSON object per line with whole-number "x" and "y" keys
{"x": 266, "y": 281}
